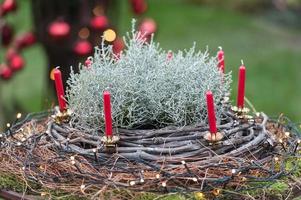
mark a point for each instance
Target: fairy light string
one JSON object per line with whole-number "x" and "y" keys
{"x": 211, "y": 176}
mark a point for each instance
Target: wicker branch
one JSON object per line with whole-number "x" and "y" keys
{"x": 169, "y": 159}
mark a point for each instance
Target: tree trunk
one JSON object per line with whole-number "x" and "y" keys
{"x": 78, "y": 14}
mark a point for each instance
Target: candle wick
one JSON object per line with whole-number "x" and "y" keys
{"x": 242, "y": 62}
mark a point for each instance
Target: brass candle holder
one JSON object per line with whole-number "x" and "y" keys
{"x": 61, "y": 117}
{"x": 213, "y": 137}
{"x": 110, "y": 143}
{"x": 241, "y": 113}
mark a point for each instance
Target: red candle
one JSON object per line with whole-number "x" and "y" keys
{"x": 241, "y": 86}
{"x": 107, "y": 113}
{"x": 221, "y": 59}
{"x": 59, "y": 89}
{"x": 211, "y": 113}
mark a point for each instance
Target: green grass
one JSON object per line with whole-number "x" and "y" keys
{"x": 271, "y": 53}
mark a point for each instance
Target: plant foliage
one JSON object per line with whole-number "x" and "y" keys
{"x": 147, "y": 88}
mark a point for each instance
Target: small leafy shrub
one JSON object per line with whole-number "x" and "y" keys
{"x": 146, "y": 87}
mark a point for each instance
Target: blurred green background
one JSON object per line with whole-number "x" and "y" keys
{"x": 268, "y": 40}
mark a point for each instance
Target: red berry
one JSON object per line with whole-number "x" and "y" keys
{"x": 10, "y": 53}
{"x": 88, "y": 63}
{"x": 16, "y": 62}
{"x": 59, "y": 29}
{"x": 148, "y": 26}
{"x": 169, "y": 55}
{"x": 118, "y": 46}
{"x": 139, "y": 6}
{"x": 8, "y": 6}
{"x": 82, "y": 48}
{"x": 25, "y": 40}
{"x": 6, "y": 34}
{"x": 99, "y": 22}
{"x": 5, "y": 72}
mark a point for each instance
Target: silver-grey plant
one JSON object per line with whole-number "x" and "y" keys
{"x": 146, "y": 87}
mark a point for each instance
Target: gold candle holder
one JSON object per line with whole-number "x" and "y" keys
{"x": 61, "y": 117}
{"x": 213, "y": 137}
{"x": 241, "y": 113}
{"x": 110, "y": 143}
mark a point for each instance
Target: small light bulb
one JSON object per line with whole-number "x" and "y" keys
{"x": 72, "y": 158}
{"x": 216, "y": 192}
{"x": 8, "y": 125}
{"x": 132, "y": 183}
{"x": 276, "y": 158}
{"x": 68, "y": 139}
{"x": 287, "y": 134}
{"x": 194, "y": 179}
{"x": 19, "y": 143}
{"x": 141, "y": 180}
{"x": 280, "y": 140}
{"x": 23, "y": 168}
{"x": 94, "y": 150}
{"x": 84, "y": 33}
{"x": 82, "y": 187}
{"x": 43, "y": 193}
{"x": 98, "y": 10}
{"x": 109, "y": 35}
{"x": 164, "y": 184}
{"x": 1, "y": 135}
{"x": 199, "y": 195}
{"x": 23, "y": 139}
{"x": 19, "y": 115}
{"x": 298, "y": 141}
{"x": 73, "y": 162}
{"x": 233, "y": 171}
{"x": 157, "y": 175}
{"x": 183, "y": 162}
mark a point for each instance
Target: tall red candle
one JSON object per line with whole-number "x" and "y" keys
{"x": 59, "y": 89}
{"x": 221, "y": 59}
{"x": 241, "y": 86}
{"x": 211, "y": 113}
{"x": 107, "y": 113}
